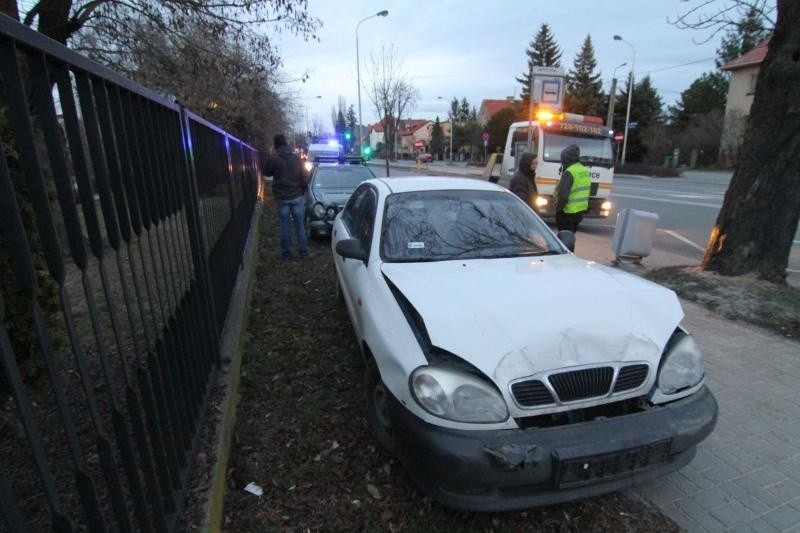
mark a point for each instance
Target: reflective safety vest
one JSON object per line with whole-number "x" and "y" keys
{"x": 581, "y": 186}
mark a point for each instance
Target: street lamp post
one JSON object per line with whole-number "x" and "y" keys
{"x": 383, "y": 13}
{"x": 450, "y": 124}
{"x": 612, "y": 97}
{"x": 306, "y": 106}
{"x": 630, "y": 93}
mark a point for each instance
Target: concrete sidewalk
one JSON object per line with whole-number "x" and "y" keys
{"x": 746, "y": 476}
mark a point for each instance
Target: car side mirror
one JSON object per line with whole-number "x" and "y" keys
{"x": 351, "y": 249}
{"x": 565, "y": 236}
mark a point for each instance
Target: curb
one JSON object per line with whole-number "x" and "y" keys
{"x": 232, "y": 346}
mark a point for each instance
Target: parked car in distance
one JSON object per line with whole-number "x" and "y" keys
{"x": 503, "y": 371}
{"x": 424, "y": 158}
{"x": 330, "y": 184}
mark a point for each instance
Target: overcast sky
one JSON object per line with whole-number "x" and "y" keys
{"x": 475, "y": 49}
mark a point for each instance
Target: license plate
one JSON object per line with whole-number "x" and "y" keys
{"x": 587, "y": 470}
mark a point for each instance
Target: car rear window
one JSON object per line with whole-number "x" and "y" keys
{"x": 345, "y": 177}
{"x": 461, "y": 224}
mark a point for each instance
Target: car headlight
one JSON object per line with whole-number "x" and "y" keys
{"x": 541, "y": 201}
{"x": 457, "y": 396}
{"x": 318, "y": 210}
{"x": 606, "y": 206}
{"x": 683, "y": 365}
{"x": 309, "y": 165}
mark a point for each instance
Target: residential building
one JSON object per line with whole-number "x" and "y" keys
{"x": 491, "y": 107}
{"x": 744, "y": 75}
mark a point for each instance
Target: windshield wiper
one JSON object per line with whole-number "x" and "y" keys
{"x": 530, "y": 253}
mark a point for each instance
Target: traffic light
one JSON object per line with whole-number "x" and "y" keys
{"x": 347, "y": 135}
{"x": 367, "y": 151}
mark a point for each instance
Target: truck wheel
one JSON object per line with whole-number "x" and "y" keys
{"x": 378, "y": 397}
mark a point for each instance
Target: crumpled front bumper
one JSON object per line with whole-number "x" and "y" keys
{"x": 513, "y": 469}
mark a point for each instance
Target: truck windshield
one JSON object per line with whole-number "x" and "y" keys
{"x": 594, "y": 150}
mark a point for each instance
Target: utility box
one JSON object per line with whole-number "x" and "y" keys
{"x": 634, "y": 234}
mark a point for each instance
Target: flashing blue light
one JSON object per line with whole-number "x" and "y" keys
{"x": 333, "y": 142}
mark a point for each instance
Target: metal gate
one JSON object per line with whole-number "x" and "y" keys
{"x": 123, "y": 219}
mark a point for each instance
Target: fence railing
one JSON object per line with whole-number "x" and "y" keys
{"x": 123, "y": 219}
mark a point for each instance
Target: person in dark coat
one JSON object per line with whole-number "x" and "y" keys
{"x": 289, "y": 184}
{"x": 523, "y": 182}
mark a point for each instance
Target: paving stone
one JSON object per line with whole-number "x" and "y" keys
{"x": 785, "y": 490}
{"x": 732, "y": 513}
{"x": 680, "y": 517}
{"x": 698, "y": 479}
{"x": 700, "y": 515}
{"x": 783, "y": 517}
{"x": 711, "y": 498}
{"x": 766, "y": 476}
{"x": 743, "y": 497}
{"x": 663, "y": 492}
{"x": 721, "y": 473}
{"x": 761, "y": 525}
{"x": 687, "y": 486}
{"x": 705, "y": 460}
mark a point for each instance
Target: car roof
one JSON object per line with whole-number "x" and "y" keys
{"x": 433, "y": 183}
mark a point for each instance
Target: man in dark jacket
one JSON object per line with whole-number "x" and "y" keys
{"x": 523, "y": 183}
{"x": 289, "y": 185}
{"x": 572, "y": 190}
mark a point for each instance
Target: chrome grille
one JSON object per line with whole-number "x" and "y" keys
{"x": 582, "y": 384}
{"x": 531, "y": 393}
{"x": 631, "y": 377}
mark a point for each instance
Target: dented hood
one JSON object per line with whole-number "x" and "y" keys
{"x": 515, "y": 317}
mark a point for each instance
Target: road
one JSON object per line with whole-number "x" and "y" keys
{"x": 687, "y": 208}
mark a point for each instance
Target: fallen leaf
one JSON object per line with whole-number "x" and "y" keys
{"x": 373, "y": 491}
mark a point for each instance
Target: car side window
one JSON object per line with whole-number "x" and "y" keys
{"x": 359, "y": 213}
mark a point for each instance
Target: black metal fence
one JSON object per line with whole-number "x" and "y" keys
{"x": 123, "y": 219}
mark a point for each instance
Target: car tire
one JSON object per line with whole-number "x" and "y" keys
{"x": 378, "y": 397}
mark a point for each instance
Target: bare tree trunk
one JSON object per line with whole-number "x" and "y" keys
{"x": 9, "y": 7}
{"x": 756, "y": 225}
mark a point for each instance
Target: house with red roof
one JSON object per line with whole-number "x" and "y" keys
{"x": 489, "y": 108}
{"x": 744, "y": 76}
{"x": 413, "y": 136}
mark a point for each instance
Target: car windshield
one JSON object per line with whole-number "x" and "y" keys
{"x": 594, "y": 150}
{"x": 461, "y": 224}
{"x": 343, "y": 177}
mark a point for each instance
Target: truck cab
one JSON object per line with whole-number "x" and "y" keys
{"x": 548, "y": 137}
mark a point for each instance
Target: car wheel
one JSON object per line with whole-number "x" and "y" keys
{"x": 378, "y": 397}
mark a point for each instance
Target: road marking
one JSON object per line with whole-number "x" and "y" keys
{"x": 664, "y": 200}
{"x": 669, "y": 191}
{"x": 683, "y": 239}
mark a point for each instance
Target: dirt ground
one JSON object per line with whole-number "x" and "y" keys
{"x": 303, "y": 437}
{"x": 746, "y": 298}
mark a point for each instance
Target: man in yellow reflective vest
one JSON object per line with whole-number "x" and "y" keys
{"x": 572, "y": 190}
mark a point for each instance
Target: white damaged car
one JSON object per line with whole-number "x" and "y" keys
{"x": 502, "y": 370}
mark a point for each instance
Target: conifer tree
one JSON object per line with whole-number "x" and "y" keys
{"x": 584, "y": 86}
{"x": 542, "y": 52}
{"x": 751, "y": 30}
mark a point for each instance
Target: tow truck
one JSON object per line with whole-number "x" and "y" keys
{"x": 550, "y": 133}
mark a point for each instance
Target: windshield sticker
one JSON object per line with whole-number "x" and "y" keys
{"x": 416, "y": 245}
